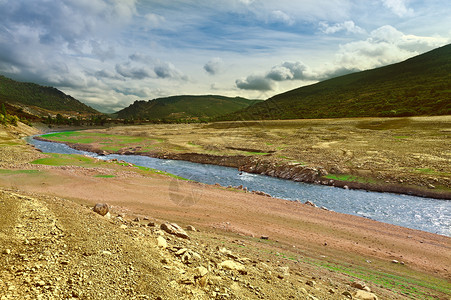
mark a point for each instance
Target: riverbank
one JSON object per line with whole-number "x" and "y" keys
{"x": 324, "y": 251}
{"x": 398, "y": 155}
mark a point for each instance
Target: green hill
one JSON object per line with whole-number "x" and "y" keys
{"x": 418, "y": 86}
{"x": 184, "y": 107}
{"x": 40, "y": 97}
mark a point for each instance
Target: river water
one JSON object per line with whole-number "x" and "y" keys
{"x": 425, "y": 214}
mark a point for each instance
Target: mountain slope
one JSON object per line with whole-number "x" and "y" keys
{"x": 184, "y": 107}
{"x": 418, "y": 86}
{"x": 34, "y": 95}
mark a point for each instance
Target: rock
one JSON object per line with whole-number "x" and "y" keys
{"x": 364, "y": 295}
{"x": 101, "y": 208}
{"x": 174, "y": 229}
{"x": 310, "y": 283}
{"x": 431, "y": 186}
{"x": 346, "y": 187}
{"x": 231, "y": 265}
{"x": 264, "y": 237}
{"x": 151, "y": 224}
{"x": 347, "y": 294}
{"x": 285, "y": 271}
{"x": 123, "y": 226}
{"x": 191, "y": 228}
{"x": 310, "y": 203}
{"x": 161, "y": 242}
{"x": 395, "y": 261}
{"x": 6, "y": 251}
{"x": 360, "y": 285}
{"x": 137, "y": 219}
{"x": 200, "y": 271}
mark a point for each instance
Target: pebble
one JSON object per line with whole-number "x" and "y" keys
{"x": 6, "y": 251}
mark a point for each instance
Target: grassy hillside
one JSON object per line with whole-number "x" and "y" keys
{"x": 418, "y": 86}
{"x": 184, "y": 107}
{"x": 34, "y": 95}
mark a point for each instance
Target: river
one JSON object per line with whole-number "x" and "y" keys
{"x": 425, "y": 214}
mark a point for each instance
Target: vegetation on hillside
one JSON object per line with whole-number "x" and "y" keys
{"x": 48, "y": 98}
{"x": 183, "y": 108}
{"x": 7, "y": 119}
{"x": 418, "y": 86}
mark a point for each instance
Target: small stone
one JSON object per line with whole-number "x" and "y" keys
{"x": 347, "y": 294}
{"x": 191, "y": 228}
{"x": 310, "y": 283}
{"x": 395, "y": 261}
{"x": 161, "y": 242}
{"x": 101, "y": 208}
{"x": 137, "y": 219}
{"x": 360, "y": 285}
{"x": 151, "y": 224}
{"x": 6, "y": 251}
{"x": 201, "y": 271}
{"x": 123, "y": 226}
{"x": 310, "y": 203}
{"x": 264, "y": 237}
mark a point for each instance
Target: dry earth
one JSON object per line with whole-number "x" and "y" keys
{"x": 407, "y": 155}
{"x": 53, "y": 246}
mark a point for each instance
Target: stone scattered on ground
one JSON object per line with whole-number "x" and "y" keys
{"x": 174, "y": 229}
{"x": 101, "y": 208}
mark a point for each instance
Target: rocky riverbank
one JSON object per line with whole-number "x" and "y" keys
{"x": 278, "y": 168}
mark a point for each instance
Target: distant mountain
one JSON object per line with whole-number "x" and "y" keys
{"x": 418, "y": 86}
{"x": 184, "y": 107}
{"x": 40, "y": 99}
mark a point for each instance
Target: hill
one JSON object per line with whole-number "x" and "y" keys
{"x": 418, "y": 86}
{"x": 184, "y": 107}
{"x": 39, "y": 99}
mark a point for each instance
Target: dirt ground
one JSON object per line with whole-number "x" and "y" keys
{"x": 409, "y": 155}
{"x": 54, "y": 246}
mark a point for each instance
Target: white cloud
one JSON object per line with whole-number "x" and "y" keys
{"x": 385, "y": 45}
{"x": 347, "y": 26}
{"x": 155, "y": 20}
{"x": 399, "y": 7}
{"x": 278, "y": 16}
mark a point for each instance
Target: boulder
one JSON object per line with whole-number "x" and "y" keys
{"x": 101, "y": 208}
{"x": 174, "y": 229}
{"x": 361, "y": 286}
{"x": 364, "y": 295}
{"x": 231, "y": 265}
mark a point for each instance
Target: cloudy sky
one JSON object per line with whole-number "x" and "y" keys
{"x": 108, "y": 53}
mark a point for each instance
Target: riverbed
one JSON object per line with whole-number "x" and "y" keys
{"x": 425, "y": 214}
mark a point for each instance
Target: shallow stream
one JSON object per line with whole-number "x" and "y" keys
{"x": 426, "y": 214}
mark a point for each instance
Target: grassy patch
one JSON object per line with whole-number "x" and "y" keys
{"x": 12, "y": 172}
{"x": 350, "y": 178}
{"x": 401, "y": 137}
{"x": 104, "y": 176}
{"x": 55, "y": 159}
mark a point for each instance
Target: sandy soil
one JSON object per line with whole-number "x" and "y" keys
{"x": 294, "y": 230}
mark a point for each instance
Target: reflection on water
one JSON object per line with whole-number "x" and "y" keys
{"x": 413, "y": 212}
